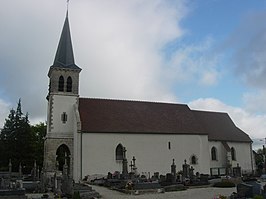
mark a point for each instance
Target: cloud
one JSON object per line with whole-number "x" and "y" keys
{"x": 117, "y": 43}
{"x": 248, "y": 46}
{"x": 253, "y": 124}
{"x": 255, "y": 101}
{"x": 195, "y": 63}
{"x": 209, "y": 77}
{"x": 121, "y": 47}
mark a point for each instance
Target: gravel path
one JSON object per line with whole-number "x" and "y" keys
{"x": 197, "y": 193}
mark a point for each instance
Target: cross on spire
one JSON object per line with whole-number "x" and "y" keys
{"x": 67, "y": 7}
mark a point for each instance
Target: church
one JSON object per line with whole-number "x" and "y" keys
{"x": 94, "y": 136}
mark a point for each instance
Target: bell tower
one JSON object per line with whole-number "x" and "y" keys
{"x": 62, "y": 97}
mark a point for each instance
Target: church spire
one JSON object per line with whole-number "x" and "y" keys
{"x": 64, "y": 57}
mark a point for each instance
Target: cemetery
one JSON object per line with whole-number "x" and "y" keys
{"x": 15, "y": 185}
{"x": 131, "y": 182}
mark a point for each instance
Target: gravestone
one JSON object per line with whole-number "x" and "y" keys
{"x": 173, "y": 171}
{"x": 109, "y": 175}
{"x": 13, "y": 194}
{"x": 10, "y": 189}
{"x": 131, "y": 167}
{"x": 10, "y": 167}
{"x": 185, "y": 168}
{"x": 35, "y": 171}
{"x": 143, "y": 177}
{"x": 166, "y": 180}
{"x": 169, "y": 178}
{"x": 85, "y": 191}
{"x": 20, "y": 171}
{"x": 204, "y": 178}
{"x": 256, "y": 187}
{"x": 162, "y": 178}
{"x": 264, "y": 191}
{"x": 155, "y": 176}
{"x": 67, "y": 182}
{"x": 134, "y": 168}
{"x": 191, "y": 173}
{"x": 124, "y": 164}
{"x": 147, "y": 185}
{"x": 116, "y": 175}
{"x": 43, "y": 188}
{"x": 244, "y": 190}
{"x": 2, "y": 183}
{"x": 38, "y": 174}
{"x": 19, "y": 184}
{"x": 237, "y": 171}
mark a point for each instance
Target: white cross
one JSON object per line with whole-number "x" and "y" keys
{"x": 67, "y": 4}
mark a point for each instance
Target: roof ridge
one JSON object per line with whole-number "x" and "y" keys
{"x": 132, "y": 100}
{"x": 212, "y": 112}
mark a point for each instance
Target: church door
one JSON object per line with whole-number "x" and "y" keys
{"x": 62, "y": 156}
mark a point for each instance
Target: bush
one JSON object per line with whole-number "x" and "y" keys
{"x": 223, "y": 197}
{"x": 258, "y": 197}
{"x": 76, "y": 195}
{"x": 224, "y": 184}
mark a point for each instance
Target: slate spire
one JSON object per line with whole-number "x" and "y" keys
{"x": 64, "y": 57}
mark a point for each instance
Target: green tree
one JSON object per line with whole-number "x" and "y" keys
{"x": 259, "y": 159}
{"x": 39, "y": 132}
{"x": 6, "y": 137}
{"x": 17, "y": 139}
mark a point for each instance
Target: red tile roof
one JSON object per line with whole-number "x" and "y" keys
{"x": 122, "y": 116}
{"x": 219, "y": 126}
{"x": 101, "y": 115}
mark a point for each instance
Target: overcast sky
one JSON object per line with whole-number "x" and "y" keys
{"x": 209, "y": 54}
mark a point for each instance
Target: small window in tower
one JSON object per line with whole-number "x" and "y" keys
{"x": 64, "y": 117}
{"x": 69, "y": 84}
{"x": 61, "y": 83}
{"x": 169, "y": 145}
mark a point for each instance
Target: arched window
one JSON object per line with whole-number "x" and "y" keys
{"x": 119, "y": 152}
{"x": 233, "y": 153}
{"x": 61, "y": 83}
{"x": 193, "y": 159}
{"x": 69, "y": 84}
{"x": 214, "y": 153}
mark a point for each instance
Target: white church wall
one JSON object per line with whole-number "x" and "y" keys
{"x": 243, "y": 156}
{"x": 63, "y": 104}
{"x": 151, "y": 151}
{"x": 242, "y": 152}
{"x": 76, "y": 146}
{"x": 221, "y": 154}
